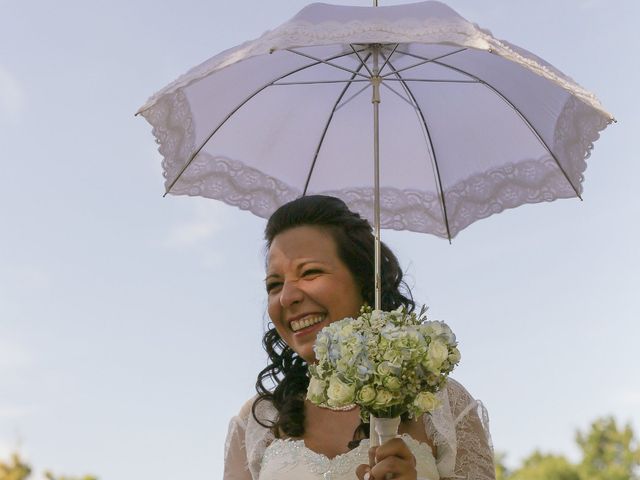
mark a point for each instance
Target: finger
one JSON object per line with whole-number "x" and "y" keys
{"x": 363, "y": 472}
{"x": 372, "y": 456}
{"x": 395, "y": 448}
{"x": 396, "y": 468}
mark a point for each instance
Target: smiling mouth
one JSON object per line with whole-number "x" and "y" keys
{"x": 305, "y": 322}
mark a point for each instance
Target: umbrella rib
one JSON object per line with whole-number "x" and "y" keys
{"x": 362, "y": 62}
{"x": 425, "y": 60}
{"x": 326, "y": 62}
{"x": 326, "y": 127}
{"x": 320, "y": 82}
{"x": 388, "y": 58}
{"x": 431, "y": 148}
{"x": 515, "y": 109}
{"x": 352, "y": 97}
{"x": 429, "y": 80}
{"x": 402, "y": 97}
{"x": 230, "y": 114}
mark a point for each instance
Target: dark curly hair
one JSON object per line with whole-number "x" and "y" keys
{"x": 355, "y": 246}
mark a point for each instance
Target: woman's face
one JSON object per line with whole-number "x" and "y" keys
{"x": 308, "y": 286}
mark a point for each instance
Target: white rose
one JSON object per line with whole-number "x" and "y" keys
{"x": 366, "y": 395}
{"x": 432, "y": 328}
{"x": 437, "y": 353}
{"x": 340, "y": 393}
{"x": 392, "y": 383}
{"x": 316, "y": 390}
{"x": 384, "y": 369}
{"x": 437, "y": 328}
{"x": 384, "y": 398}
{"x": 426, "y": 402}
{"x": 454, "y": 356}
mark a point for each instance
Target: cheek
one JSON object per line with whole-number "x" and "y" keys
{"x": 273, "y": 309}
{"x": 351, "y": 297}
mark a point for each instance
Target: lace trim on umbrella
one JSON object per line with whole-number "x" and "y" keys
{"x": 478, "y": 196}
{"x": 173, "y": 130}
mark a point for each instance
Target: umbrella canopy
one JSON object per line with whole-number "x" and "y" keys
{"x": 468, "y": 125}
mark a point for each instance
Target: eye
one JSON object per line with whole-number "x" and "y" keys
{"x": 273, "y": 286}
{"x": 312, "y": 272}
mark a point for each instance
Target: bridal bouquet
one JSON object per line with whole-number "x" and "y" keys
{"x": 387, "y": 363}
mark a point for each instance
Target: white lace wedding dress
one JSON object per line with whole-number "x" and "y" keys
{"x": 459, "y": 429}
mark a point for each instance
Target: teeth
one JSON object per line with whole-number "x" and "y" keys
{"x": 306, "y": 322}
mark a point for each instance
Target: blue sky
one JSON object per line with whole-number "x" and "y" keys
{"x": 130, "y": 324}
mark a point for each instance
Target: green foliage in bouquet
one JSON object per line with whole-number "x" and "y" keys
{"x": 387, "y": 363}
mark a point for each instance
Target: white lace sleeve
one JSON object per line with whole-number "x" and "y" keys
{"x": 236, "y": 466}
{"x": 247, "y": 441}
{"x": 460, "y": 431}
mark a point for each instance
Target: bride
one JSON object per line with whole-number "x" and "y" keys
{"x": 319, "y": 270}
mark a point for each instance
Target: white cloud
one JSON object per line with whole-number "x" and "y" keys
{"x": 208, "y": 219}
{"x": 12, "y": 98}
{"x": 13, "y": 411}
{"x": 30, "y": 277}
{"x": 191, "y": 233}
{"x": 589, "y": 4}
{"x": 13, "y": 357}
{"x": 17, "y": 282}
{"x": 198, "y": 233}
{"x": 630, "y": 398}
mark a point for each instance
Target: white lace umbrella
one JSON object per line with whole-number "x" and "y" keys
{"x": 462, "y": 125}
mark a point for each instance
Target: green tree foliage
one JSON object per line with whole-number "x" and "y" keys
{"x": 609, "y": 452}
{"x": 51, "y": 476}
{"x": 540, "y": 466}
{"x": 15, "y": 469}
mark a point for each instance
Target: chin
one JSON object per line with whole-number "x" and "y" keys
{"x": 309, "y": 361}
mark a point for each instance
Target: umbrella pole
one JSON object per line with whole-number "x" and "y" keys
{"x": 375, "y": 100}
{"x": 375, "y": 81}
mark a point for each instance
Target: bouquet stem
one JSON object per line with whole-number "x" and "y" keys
{"x": 386, "y": 428}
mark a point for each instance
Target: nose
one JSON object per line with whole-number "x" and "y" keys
{"x": 290, "y": 294}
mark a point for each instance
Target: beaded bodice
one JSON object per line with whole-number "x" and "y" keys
{"x": 458, "y": 429}
{"x": 292, "y": 460}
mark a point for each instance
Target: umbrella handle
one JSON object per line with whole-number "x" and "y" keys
{"x": 373, "y": 435}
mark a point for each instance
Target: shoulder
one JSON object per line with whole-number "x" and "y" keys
{"x": 246, "y": 408}
{"x": 253, "y": 437}
{"x": 460, "y": 401}
{"x": 241, "y": 419}
{"x": 456, "y": 388}
{"x": 468, "y": 412}
{"x": 264, "y": 410}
